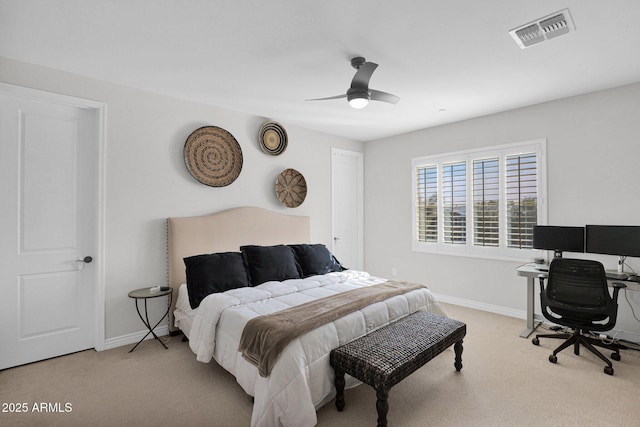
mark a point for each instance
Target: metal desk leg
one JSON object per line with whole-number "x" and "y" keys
{"x": 531, "y": 323}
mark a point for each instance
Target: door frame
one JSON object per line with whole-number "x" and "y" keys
{"x": 100, "y": 109}
{"x": 359, "y": 200}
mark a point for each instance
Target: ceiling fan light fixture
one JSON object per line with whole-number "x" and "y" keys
{"x": 359, "y": 93}
{"x": 358, "y": 98}
{"x": 358, "y": 103}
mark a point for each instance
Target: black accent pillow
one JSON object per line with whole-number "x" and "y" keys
{"x": 265, "y": 263}
{"x": 315, "y": 259}
{"x": 212, "y": 273}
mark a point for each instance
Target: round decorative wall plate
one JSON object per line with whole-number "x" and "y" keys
{"x": 291, "y": 188}
{"x": 273, "y": 138}
{"x": 213, "y": 156}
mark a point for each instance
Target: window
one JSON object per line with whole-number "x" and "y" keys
{"x": 480, "y": 202}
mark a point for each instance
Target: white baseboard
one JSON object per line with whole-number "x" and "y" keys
{"x": 133, "y": 338}
{"x": 519, "y": 314}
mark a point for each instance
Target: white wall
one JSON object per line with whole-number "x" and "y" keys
{"x": 593, "y": 161}
{"x": 593, "y": 144}
{"x": 146, "y": 179}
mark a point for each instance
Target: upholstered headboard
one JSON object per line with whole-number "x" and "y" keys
{"x": 226, "y": 231}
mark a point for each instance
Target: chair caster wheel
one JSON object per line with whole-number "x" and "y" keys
{"x": 554, "y": 359}
{"x": 615, "y": 356}
{"x": 535, "y": 341}
{"x": 608, "y": 370}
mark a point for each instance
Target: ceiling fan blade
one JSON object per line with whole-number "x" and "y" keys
{"x": 330, "y": 97}
{"x": 363, "y": 75}
{"x": 377, "y": 95}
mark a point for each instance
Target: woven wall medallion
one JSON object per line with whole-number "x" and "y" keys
{"x": 213, "y": 156}
{"x": 291, "y": 188}
{"x": 273, "y": 138}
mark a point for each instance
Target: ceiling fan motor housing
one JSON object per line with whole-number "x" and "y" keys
{"x": 357, "y": 92}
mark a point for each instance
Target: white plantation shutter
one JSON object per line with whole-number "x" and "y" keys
{"x": 480, "y": 202}
{"x": 427, "y": 203}
{"x": 522, "y": 197}
{"x": 454, "y": 202}
{"x": 486, "y": 202}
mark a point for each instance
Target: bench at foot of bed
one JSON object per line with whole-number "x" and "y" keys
{"x": 388, "y": 355}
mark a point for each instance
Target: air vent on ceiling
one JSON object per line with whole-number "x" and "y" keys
{"x": 542, "y": 29}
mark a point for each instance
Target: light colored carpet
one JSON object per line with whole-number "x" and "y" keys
{"x": 505, "y": 381}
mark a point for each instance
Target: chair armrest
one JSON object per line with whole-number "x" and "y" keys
{"x": 616, "y": 289}
{"x": 542, "y": 277}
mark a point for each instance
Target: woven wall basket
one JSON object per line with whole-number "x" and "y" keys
{"x": 213, "y": 156}
{"x": 291, "y": 188}
{"x": 273, "y": 138}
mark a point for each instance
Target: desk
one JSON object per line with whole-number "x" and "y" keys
{"x": 531, "y": 273}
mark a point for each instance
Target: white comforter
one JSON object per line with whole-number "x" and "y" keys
{"x": 302, "y": 379}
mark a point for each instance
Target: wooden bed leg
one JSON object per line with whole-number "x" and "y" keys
{"x": 382, "y": 405}
{"x": 457, "y": 347}
{"x": 339, "y": 382}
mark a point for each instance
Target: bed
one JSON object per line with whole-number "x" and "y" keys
{"x": 300, "y": 379}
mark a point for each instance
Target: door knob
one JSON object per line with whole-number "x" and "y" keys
{"x": 82, "y": 261}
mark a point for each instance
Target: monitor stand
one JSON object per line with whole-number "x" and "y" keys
{"x": 618, "y": 274}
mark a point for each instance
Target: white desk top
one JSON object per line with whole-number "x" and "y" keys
{"x": 530, "y": 270}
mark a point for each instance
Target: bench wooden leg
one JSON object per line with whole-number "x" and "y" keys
{"x": 457, "y": 347}
{"x": 339, "y": 382}
{"x": 382, "y": 405}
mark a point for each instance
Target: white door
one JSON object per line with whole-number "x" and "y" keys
{"x": 48, "y": 221}
{"x": 347, "y": 190}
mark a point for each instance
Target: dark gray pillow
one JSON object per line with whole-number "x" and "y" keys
{"x": 315, "y": 259}
{"x": 265, "y": 263}
{"x": 212, "y": 273}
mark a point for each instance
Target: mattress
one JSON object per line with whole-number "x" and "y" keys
{"x": 183, "y": 313}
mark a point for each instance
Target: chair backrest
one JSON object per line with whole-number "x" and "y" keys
{"x": 578, "y": 282}
{"x": 577, "y": 291}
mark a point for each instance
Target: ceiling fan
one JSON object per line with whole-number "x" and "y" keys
{"x": 359, "y": 93}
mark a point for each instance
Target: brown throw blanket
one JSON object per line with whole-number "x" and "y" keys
{"x": 265, "y": 337}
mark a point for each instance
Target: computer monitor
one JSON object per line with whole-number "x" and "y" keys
{"x": 558, "y": 239}
{"x": 619, "y": 240}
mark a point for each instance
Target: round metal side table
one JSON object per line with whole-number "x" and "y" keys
{"x": 145, "y": 294}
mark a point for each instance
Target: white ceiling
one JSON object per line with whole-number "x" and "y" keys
{"x": 266, "y": 57}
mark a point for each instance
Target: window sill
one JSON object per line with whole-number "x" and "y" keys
{"x": 524, "y": 255}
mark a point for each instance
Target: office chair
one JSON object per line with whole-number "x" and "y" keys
{"x": 577, "y": 296}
